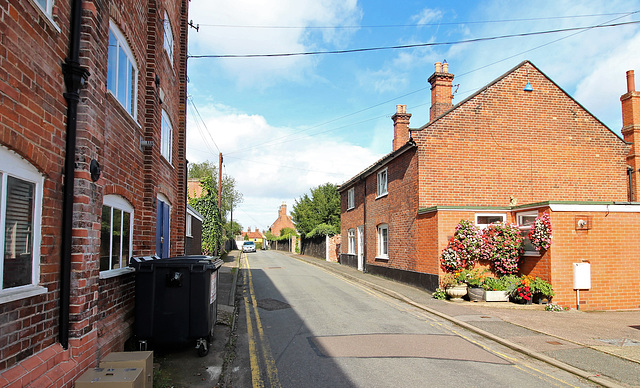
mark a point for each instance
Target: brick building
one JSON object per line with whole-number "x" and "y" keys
{"x": 283, "y": 221}
{"x": 518, "y": 147}
{"x": 92, "y": 172}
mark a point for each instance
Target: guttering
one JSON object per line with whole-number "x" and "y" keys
{"x": 554, "y": 206}
{"x": 74, "y": 78}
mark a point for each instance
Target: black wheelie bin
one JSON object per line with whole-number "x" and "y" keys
{"x": 176, "y": 300}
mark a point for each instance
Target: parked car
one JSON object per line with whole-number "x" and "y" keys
{"x": 249, "y": 246}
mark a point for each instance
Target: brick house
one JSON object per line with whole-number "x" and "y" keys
{"x": 518, "y": 147}
{"x": 283, "y": 221}
{"x": 92, "y": 172}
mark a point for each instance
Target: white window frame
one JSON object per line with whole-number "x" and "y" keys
{"x": 524, "y": 229}
{"x": 383, "y": 244}
{"x": 131, "y": 82}
{"x": 166, "y": 137}
{"x": 352, "y": 241}
{"x": 383, "y": 183}
{"x": 119, "y": 203}
{"x": 168, "y": 37}
{"x": 483, "y": 226}
{"x": 188, "y": 228}
{"x": 11, "y": 164}
{"x": 351, "y": 196}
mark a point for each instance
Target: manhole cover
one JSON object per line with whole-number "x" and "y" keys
{"x": 621, "y": 342}
{"x": 272, "y": 304}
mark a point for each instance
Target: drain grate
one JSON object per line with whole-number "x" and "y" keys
{"x": 621, "y": 342}
{"x": 272, "y": 304}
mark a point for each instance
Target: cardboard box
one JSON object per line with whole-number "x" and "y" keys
{"x": 143, "y": 360}
{"x": 111, "y": 378}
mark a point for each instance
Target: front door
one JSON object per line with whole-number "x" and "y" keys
{"x": 360, "y": 252}
{"x": 162, "y": 229}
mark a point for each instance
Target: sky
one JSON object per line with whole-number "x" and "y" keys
{"x": 287, "y": 124}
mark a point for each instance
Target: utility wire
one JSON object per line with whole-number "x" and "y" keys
{"x": 202, "y": 132}
{"x": 434, "y": 24}
{"x": 415, "y": 45}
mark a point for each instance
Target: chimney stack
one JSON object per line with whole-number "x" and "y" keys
{"x": 631, "y": 132}
{"x": 400, "y": 126}
{"x": 441, "y": 97}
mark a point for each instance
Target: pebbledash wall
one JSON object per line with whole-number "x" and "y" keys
{"x": 131, "y": 121}
{"x": 505, "y": 151}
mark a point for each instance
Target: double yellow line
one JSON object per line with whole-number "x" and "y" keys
{"x": 251, "y": 309}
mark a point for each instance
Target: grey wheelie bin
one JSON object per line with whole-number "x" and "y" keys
{"x": 176, "y": 300}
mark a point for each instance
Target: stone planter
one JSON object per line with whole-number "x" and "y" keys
{"x": 476, "y": 294}
{"x": 496, "y": 296}
{"x": 456, "y": 293}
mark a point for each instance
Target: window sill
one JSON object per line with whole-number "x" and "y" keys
{"x": 382, "y": 195}
{"x": 12, "y": 294}
{"x": 112, "y": 273}
{"x": 351, "y": 208}
{"x": 383, "y": 258}
{"x": 531, "y": 254}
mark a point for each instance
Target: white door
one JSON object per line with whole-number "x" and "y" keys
{"x": 360, "y": 249}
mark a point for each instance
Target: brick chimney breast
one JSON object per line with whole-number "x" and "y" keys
{"x": 441, "y": 97}
{"x": 631, "y": 131}
{"x": 400, "y": 126}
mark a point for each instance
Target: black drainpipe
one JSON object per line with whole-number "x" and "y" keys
{"x": 74, "y": 78}
{"x": 630, "y": 173}
{"x": 364, "y": 227}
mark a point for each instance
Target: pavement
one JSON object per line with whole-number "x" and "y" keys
{"x": 600, "y": 346}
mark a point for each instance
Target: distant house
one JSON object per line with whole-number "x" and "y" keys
{"x": 255, "y": 235}
{"x": 518, "y": 147}
{"x": 193, "y": 232}
{"x": 92, "y": 172}
{"x": 283, "y": 221}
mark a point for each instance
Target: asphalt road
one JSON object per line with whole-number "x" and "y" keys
{"x": 300, "y": 326}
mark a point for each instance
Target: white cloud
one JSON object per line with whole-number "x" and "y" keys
{"x": 262, "y": 72}
{"x": 427, "y": 15}
{"x": 270, "y": 164}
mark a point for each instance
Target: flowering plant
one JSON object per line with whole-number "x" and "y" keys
{"x": 473, "y": 277}
{"x": 522, "y": 293}
{"x": 502, "y": 246}
{"x": 464, "y": 248}
{"x": 555, "y": 308}
{"x": 449, "y": 280}
{"x": 540, "y": 233}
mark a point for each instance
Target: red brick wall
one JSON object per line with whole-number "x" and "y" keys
{"x": 33, "y": 124}
{"x": 535, "y": 146}
{"x": 283, "y": 221}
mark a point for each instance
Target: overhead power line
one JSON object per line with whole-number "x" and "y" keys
{"x": 415, "y": 45}
{"x": 433, "y": 24}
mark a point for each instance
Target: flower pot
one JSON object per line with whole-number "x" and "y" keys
{"x": 476, "y": 294}
{"x": 496, "y": 296}
{"x": 456, "y": 293}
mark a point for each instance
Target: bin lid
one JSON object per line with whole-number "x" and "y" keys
{"x": 200, "y": 261}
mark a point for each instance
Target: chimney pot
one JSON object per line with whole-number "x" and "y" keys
{"x": 438, "y": 67}
{"x": 445, "y": 67}
{"x": 631, "y": 82}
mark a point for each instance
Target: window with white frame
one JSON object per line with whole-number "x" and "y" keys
{"x": 485, "y": 219}
{"x": 122, "y": 72}
{"x": 383, "y": 241}
{"x": 352, "y": 241}
{"x": 351, "y": 198}
{"x": 382, "y": 183}
{"x": 115, "y": 233}
{"x": 21, "y": 187}
{"x": 188, "y": 226}
{"x": 166, "y": 140}
{"x": 168, "y": 37}
{"x": 525, "y": 223}
{"x": 46, "y": 6}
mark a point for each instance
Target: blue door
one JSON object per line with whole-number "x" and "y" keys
{"x": 162, "y": 229}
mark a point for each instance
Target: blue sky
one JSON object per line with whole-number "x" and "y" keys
{"x": 287, "y": 124}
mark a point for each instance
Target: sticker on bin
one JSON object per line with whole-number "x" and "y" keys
{"x": 214, "y": 288}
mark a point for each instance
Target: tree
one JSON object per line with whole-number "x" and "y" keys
{"x": 323, "y": 207}
{"x": 231, "y": 197}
